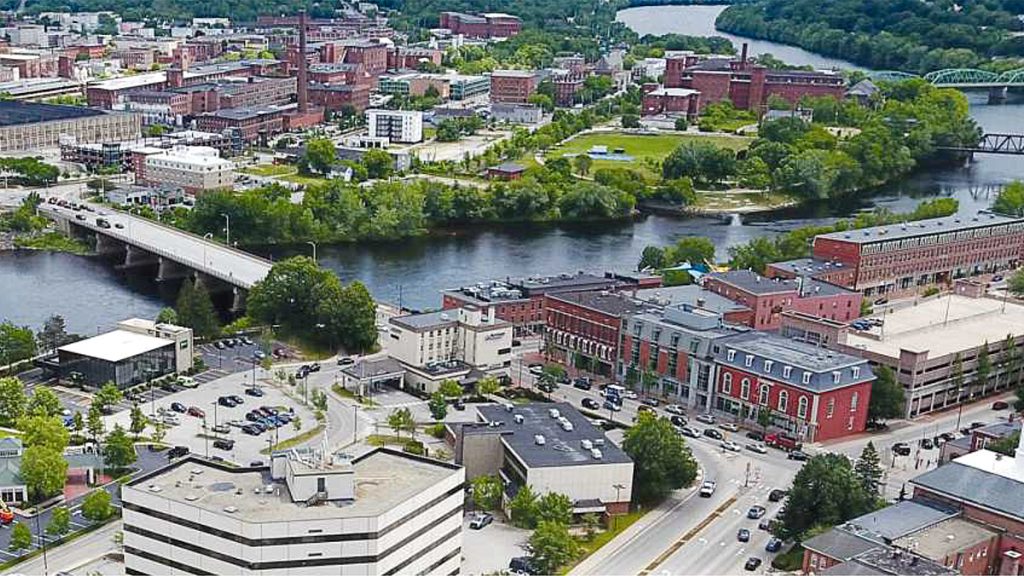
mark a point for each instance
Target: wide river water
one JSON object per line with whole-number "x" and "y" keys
{"x": 92, "y": 295}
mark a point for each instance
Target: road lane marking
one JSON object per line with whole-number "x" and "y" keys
{"x": 688, "y": 536}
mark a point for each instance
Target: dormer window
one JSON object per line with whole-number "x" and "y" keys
{"x": 836, "y": 376}
{"x": 856, "y": 372}
{"x": 748, "y": 361}
{"x": 787, "y": 371}
{"x": 768, "y": 366}
{"x": 807, "y": 378}
{"x": 730, "y": 355}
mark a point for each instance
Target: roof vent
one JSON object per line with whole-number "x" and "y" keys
{"x": 567, "y": 426}
{"x": 509, "y": 407}
{"x": 196, "y": 471}
{"x": 596, "y": 454}
{"x": 518, "y": 418}
{"x": 191, "y": 497}
{"x": 268, "y": 489}
{"x": 553, "y": 412}
{"x": 154, "y": 488}
{"x": 539, "y": 440}
{"x": 230, "y": 509}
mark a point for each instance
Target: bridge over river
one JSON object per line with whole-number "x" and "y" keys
{"x": 172, "y": 252}
{"x": 964, "y": 79}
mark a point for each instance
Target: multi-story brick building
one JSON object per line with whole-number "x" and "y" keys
{"x": 567, "y": 83}
{"x": 768, "y": 298}
{"x": 521, "y": 301}
{"x": 338, "y": 72}
{"x": 401, "y": 57}
{"x": 158, "y": 106}
{"x": 901, "y": 258}
{"x": 812, "y": 393}
{"x": 106, "y": 93}
{"x": 583, "y": 328}
{"x": 335, "y": 97}
{"x": 513, "y": 86}
{"x": 372, "y": 55}
{"x": 490, "y": 25}
{"x": 675, "y": 101}
{"x": 252, "y": 123}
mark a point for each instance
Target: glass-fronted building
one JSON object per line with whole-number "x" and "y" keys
{"x": 122, "y": 357}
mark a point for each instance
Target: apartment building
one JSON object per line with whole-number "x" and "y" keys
{"x": 405, "y": 126}
{"x": 194, "y": 168}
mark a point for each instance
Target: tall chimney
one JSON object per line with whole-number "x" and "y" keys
{"x": 301, "y": 80}
{"x": 743, "y": 56}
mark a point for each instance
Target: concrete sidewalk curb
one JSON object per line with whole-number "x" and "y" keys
{"x": 634, "y": 531}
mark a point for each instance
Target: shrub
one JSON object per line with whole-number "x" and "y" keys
{"x": 415, "y": 447}
{"x": 436, "y": 430}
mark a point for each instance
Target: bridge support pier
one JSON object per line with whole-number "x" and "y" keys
{"x": 238, "y": 303}
{"x": 997, "y": 94}
{"x": 105, "y": 245}
{"x": 168, "y": 269}
{"x": 136, "y": 257}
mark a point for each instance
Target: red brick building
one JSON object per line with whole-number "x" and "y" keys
{"x": 813, "y": 394}
{"x": 567, "y": 83}
{"x": 513, "y": 86}
{"x": 490, "y": 25}
{"x": 901, "y": 258}
{"x": 506, "y": 171}
{"x": 583, "y": 328}
{"x": 373, "y": 56}
{"x": 252, "y": 122}
{"x": 678, "y": 101}
{"x": 768, "y": 298}
{"x": 334, "y": 97}
{"x": 400, "y": 57}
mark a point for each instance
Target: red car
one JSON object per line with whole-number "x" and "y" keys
{"x": 195, "y": 411}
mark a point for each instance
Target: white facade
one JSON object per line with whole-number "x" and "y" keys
{"x": 190, "y": 167}
{"x": 404, "y": 126}
{"x": 181, "y": 336}
{"x": 199, "y": 517}
{"x": 464, "y": 334}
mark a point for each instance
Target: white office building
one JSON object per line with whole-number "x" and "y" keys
{"x": 193, "y": 168}
{"x": 404, "y": 126}
{"x": 385, "y": 512}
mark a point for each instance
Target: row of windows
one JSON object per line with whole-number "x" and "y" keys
{"x": 782, "y": 402}
{"x": 787, "y": 371}
{"x": 942, "y": 238}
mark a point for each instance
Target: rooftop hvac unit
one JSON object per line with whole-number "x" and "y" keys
{"x": 599, "y": 442}
{"x": 553, "y": 412}
{"x": 539, "y": 440}
{"x": 567, "y": 426}
{"x": 596, "y": 454}
{"x": 518, "y": 418}
{"x": 509, "y": 407}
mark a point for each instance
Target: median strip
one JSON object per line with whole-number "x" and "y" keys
{"x": 688, "y": 536}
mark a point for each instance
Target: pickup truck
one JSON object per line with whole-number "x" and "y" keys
{"x": 783, "y": 442}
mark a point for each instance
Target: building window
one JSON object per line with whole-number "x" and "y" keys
{"x": 768, "y": 366}
{"x": 730, "y": 355}
{"x": 783, "y": 400}
{"x": 787, "y": 371}
{"x": 853, "y": 401}
{"x": 830, "y": 408}
{"x": 836, "y": 376}
{"x": 762, "y": 398}
{"x": 856, "y": 372}
{"x": 745, "y": 389}
{"x": 807, "y": 378}
{"x": 726, "y": 383}
{"x": 748, "y": 361}
{"x": 801, "y": 407}
{"x": 693, "y": 346}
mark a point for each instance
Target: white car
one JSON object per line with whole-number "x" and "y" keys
{"x": 630, "y": 395}
{"x": 729, "y": 427}
{"x": 536, "y": 369}
{"x": 675, "y": 409}
{"x": 730, "y": 446}
{"x": 707, "y": 489}
{"x": 690, "y": 431}
{"x": 171, "y": 420}
{"x": 757, "y": 447}
{"x": 706, "y": 418}
{"x": 187, "y": 382}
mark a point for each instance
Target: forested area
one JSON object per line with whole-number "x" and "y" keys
{"x": 903, "y": 35}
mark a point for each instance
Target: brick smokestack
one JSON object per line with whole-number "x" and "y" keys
{"x": 743, "y": 56}
{"x": 301, "y": 80}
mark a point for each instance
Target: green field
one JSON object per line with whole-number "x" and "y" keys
{"x": 270, "y": 170}
{"x": 640, "y": 146}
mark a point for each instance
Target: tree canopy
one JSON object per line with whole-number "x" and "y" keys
{"x": 825, "y": 492}
{"x": 662, "y": 461}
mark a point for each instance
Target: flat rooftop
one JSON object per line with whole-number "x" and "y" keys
{"x": 941, "y": 326}
{"x": 126, "y": 82}
{"x": 690, "y": 294}
{"x": 561, "y": 447}
{"x": 13, "y": 113}
{"x": 383, "y": 479}
{"x": 116, "y": 345}
{"x": 945, "y": 538}
{"x": 981, "y": 478}
{"x": 755, "y": 283}
{"x": 920, "y": 228}
{"x": 615, "y": 304}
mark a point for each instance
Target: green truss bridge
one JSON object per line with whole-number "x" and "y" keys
{"x": 965, "y": 78}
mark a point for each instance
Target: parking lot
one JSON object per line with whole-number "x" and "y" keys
{"x": 189, "y": 432}
{"x": 489, "y": 550}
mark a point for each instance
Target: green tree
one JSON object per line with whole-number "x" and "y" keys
{"x": 378, "y": 163}
{"x": 523, "y": 508}
{"x": 44, "y": 402}
{"x": 450, "y": 389}
{"x": 138, "y": 421}
{"x": 44, "y": 470}
{"x": 96, "y": 507}
{"x": 401, "y": 420}
{"x": 487, "y": 385}
{"x": 825, "y": 492}
{"x": 1006, "y": 446}
{"x": 869, "y": 470}
{"x": 693, "y": 249}
{"x": 1010, "y": 200}
{"x": 167, "y": 315}
{"x": 662, "y": 461}
{"x": 54, "y": 333}
{"x": 887, "y": 396}
{"x": 764, "y": 418}
{"x": 60, "y": 522}
{"x": 1016, "y": 283}
{"x": 94, "y": 422}
{"x": 195, "y": 309}
{"x": 107, "y": 396}
{"x": 438, "y": 406}
{"x": 701, "y": 161}
{"x": 12, "y": 400}
{"x": 554, "y": 507}
{"x": 48, "y": 431}
{"x": 320, "y": 155}
{"x": 552, "y": 547}
{"x": 682, "y": 124}
{"x": 16, "y": 343}
{"x": 486, "y": 492}
{"x": 630, "y": 121}
{"x": 984, "y": 367}
{"x": 21, "y": 538}
{"x": 652, "y": 257}
{"x": 582, "y": 164}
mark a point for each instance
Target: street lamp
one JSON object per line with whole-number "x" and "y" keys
{"x": 206, "y": 236}
{"x": 227, "y": 229}
{"x": 313, "y": 244}
{"x": 618, "y": 488}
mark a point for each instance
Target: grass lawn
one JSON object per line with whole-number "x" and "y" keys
{"x": 640, "y": 146}
{"x": 791, "y": 560}
{"x": 621, "y": 523}
{"x": 306, "y": 180}
{"x": 387, "y": 440}
{"x": 295, "y": 441}
{"x": 346, "y": 393}
{"x": 270, "y": 170}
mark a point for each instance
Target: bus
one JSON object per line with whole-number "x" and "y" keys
{"x": 615, "y": 391}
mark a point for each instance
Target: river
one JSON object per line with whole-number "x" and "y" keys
{"x": 93, "y": 295}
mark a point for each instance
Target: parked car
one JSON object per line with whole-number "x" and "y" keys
{"x": 706, "y": 418}
{"x": 246, "y": 340}
{"x": 178, "y": 407}
{"x": 797, "y": 455}
{"x": 1000, "y": 405}
{"x": 729, "y": 426}
{"x": 644, "y": 408}
{"x": 752, "y": 564}
{"x": 765, "y": 524}
{"x": 219, "y": 345}
{"x": 927, "y": 444}
{"x": 590, "y": 403}
{"x": 253, "y": 416}
{"x": 777, "y": 495}
{"x": 773, "y": 545}
{"x": 230, "y": 343}
{"x": 346, "y": 361}
{"x": 651, "y": 402}
{"x": 171, "y": 420}
{"x": 947, "y": 436}
{"x": 226, "y": 401}
{"x": 480, "y": 520}
{"x": 756, "y": 512}
{"x": 221, "y": 429}
{"x": 522, "y": 565}
{"x": 251, "y": 430}
{"x": 677, "y": 420}
{"x": 743, "y": 535}
{"x": 254, "y": 392}
{"x": 236, "y": 399}
{"x": 284, "y": 417}
{"x": 547, "y": 387}
{"x": 756, "y": 436}
{"x": 536, "y": 369}
{"x": 675, "y": 409}
{"x": 757, "y": 447}
{"x": 712, "y": 433}
{"x": 612, "y": 406}
{"x": 707, "y": 489}
{"x": 196, "y": 411}
{"x": 782, "y": 441}
{"x": 259, "y": 354}
{"x": 582, "y": 383}
{"x": 730, "y": 446}
{"x": 177, "y": 452}
{"x": 237, "y": 423}
{"x": 187, "y": 382}
{"x": 630, "y": 395}
{"x": 224, "y": 443}
{"x": 901, "y": 449}
{"x": 690, "y": 431}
